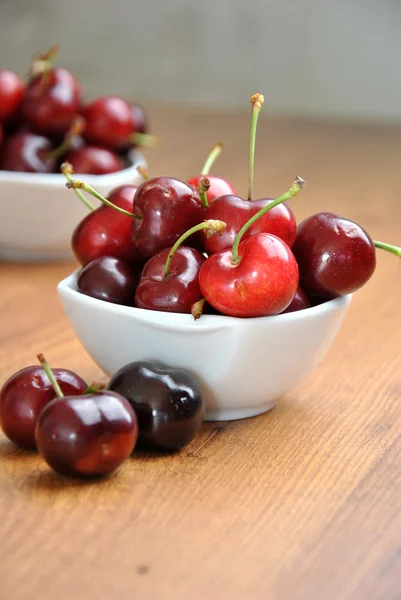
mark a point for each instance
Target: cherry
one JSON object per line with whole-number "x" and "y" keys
{"x": 112, "y": 122}
{"x": 28, "y": 152}
{"x": 164, "y": 208}
{"x": 23, "y": 397}
{"x": 86, "y": 435}
{"x": 1, "y": 134}
{"x": 335, "y": 255}
{"x": 11, "y": 92}
{"x": 170, "y": 279}
{"x": 218, "y": 185}
{"x": 299, "y": 302}
{"x": 235, "y": 211}
{"x": 110, "y": 279}
{"x": 167, "y": 401}
{"x": 94, "y": 160}
{"x": 258, "y": 277}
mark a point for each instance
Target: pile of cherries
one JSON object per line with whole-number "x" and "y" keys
{"x": 89, "y": 431}
{"x": 45, "y": 121}
{"x": 195, "y": 246}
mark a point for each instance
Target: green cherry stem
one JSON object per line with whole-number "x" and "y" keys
{"x": 75, "y": 184}
{"x": 67, "y": 171}
{"x": 257, "y": 102}
{"x": 45, "y": 366}
{"x": 43, "y": 63}
{"x": 389, "y": 248}
{"x": 213, "y": 154}
{"x": 211, "y": 226}
{"x": 296, "y": 187}
{"x": 95, "y": 387}
{"x": 76, "y": 129}
{"x": 143, "y": 139}
{"x": 143, "y": 172}
{"x": 203, "y": 188}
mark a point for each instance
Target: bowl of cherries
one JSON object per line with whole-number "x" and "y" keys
{"x": 45, "y": 121}
{"x": 231, "y": 290}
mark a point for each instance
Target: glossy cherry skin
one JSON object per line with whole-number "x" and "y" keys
{"x": 218, "y": 186}
{"x": 299, "y": 301}
{"x": 168, "y": 403}
{"x": 109, "y": 279}
{"x": 167, "y": 208}
{"x": 263, "y": 283}
{"x": 24, "y": 395}
{"x": 94, "y": 160}
{"x": 106, "y": 232}
{"x": 111, "y": 121}
{"x": 87, "y": 436}
{"x": 27, "y": 152}
{"x": 235, "y": 212}
{"x": 51, "y": 102}
{"x": 179, "y": 290}
{"x": 335, "y": 255}
{"x": 12, "y": 90}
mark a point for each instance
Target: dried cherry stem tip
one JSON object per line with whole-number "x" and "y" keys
{"x": 396, "y": 250}
{"x": 296, "y": 187}
{"x": 203, "y": 188}
{"x": 68, "y": 171}
{"x": 211, "y": 226}
{"x": 257, "y": 102}
{"x": 76, "y": 184}
{"x": 197, "y": 308}
{"x": 45, "y": 366}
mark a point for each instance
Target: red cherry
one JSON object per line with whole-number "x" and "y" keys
{"x": 87, "y": 436}
{"x": 218, "y": 186}
{"x": 112, "y": 122}
{"x": 262, "y": 283}
{"x": 11, "y": 92}
{"x": 106, "y": 232}
{"x": 1, "y": 134}
{"x": 235, "y": 212}
{"x": 299, "y": 302}
{"x": 94, "y": 160}
{"x": 51, "y": 101}
{"x": 335, "y": 255}
{"x": 109, "y": 279}
{"x": 23, "y": 397}
{"x": 28, "y": 152}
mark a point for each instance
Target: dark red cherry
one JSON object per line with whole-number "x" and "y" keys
{"x": 87, "y": 436}
{"x": 109, "y": 279}
{"x": 111, "y": 122}
{"x": 166, "y": 207}
{"x": 94, "y": 160}
{"x": 299, "y": 301}
{"x": 335, "y": 255}
{"x": 106, "y": 232}
{"x": 11, "y": 92}
{"x": 51, "y": 102}
{"x": 218, "y": 186}
{"x": 179, "y": 289}
{"x": 24, "y": 395}
{"x": 235, "y": 212}
{"x": 167, "y": 401}
{"x": 1, "y": 134}
{"x": 27, "y": 152}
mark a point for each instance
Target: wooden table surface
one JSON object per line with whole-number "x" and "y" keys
{"x": 303, "y": 502}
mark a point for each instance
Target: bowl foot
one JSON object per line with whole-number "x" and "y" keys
{"x": 233, "y": 414}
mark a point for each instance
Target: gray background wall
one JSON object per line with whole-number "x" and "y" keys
{"x": 336, "y": 58}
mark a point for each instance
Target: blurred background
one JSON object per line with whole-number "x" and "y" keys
{"x": 326, "y": 58}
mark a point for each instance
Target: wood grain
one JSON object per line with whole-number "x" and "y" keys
{"x": 303, "y": 502}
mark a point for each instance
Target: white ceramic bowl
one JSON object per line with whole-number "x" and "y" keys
{"x": 243, "y": 365}
{"x": 38, "y": 213}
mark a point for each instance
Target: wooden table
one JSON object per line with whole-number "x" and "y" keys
{"x": 301, "y": 503}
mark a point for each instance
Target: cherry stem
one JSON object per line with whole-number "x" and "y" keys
{"x": 143, "y": 139}
{"x": 257, "y": 102}
{"x": 95, "y": 387}
{"x": 203, "y": 188}
{"x": 389, "y": 248}
{"x": 197, "y": 308}
{"x": 143, "y": 172}
{"x": 213, "y": 154}
{"x": 67, "y": 171}
{"x": 45, "y": 366}
{"x": 75, "y": 184}
{"x": 76, "y": 129}
{"x": 211, "y": 226}
{"x": 296, "y": 187}
{"x": 43, "y": 63}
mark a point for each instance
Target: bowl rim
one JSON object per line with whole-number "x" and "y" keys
{"x": 57, "y": 179}
{"x": 185, "y": 322}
